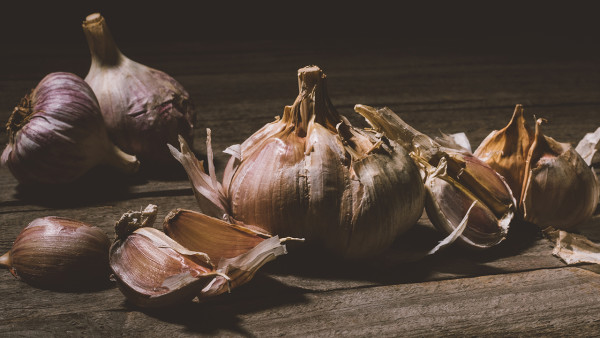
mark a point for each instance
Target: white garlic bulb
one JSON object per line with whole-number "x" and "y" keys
{"x": 311, "y": 174}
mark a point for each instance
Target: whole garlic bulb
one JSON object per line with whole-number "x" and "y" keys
{"x": 311, "y": 174}
{"x": 59, "y": 253}
{"x": 556, "y": 186}
{"x": 144, "y": 108}
{"x": 57, "y": 134}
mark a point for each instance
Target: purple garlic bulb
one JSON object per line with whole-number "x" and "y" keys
{"x": 56, "y": 134}
{"x": 144, "y": 109}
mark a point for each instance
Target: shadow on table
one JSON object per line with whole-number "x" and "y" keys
{"x": 405, "y": 261}
{"x": 222, "y": 313}
{"x": 101, "y": 184}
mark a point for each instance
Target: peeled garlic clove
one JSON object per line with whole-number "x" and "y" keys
{"x": 311, "y": 174}
{"x": 239, "y": 250}
{"x": 449, "y": 202}
{"x": 59, "y": 253}
{"x": 144, "y": 109}
{"x": 506, "y": 150}
{"x": 559, "y": 189}
{"x": 454, "y": 180}
{"x": 56, "y": 134}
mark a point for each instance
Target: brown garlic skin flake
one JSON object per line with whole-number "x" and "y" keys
{"x": 143, "y": 108}
{"x": 311, "y": 174}
{"x": 60, "y": 254}
{"x": 553, "y": 184}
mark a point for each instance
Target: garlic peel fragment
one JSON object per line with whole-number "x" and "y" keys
{"x": 589, "y": 148}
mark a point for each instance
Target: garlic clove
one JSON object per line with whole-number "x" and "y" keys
{"x": 61, "y": 254}
{"x": 56, "y": 134}
{"x": 240, "y": 251}
{"x": 154, "y": 270}
{"x": 506, "y": 150}
{"x": 559, "y": 189}
{"x": 448, "y": 204}
{"x": 143, "y": 108}
{"x": 454, "y": 180}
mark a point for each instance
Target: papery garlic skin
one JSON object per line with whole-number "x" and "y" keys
{"x": 311, "y": 174}
{"x": 559, "y": 190}
{"x": 144, "y": 109}
{"x": 60, "y": 253}
{"x": 57, "y": 134}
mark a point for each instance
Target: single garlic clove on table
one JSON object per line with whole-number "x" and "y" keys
{"x": 60, "y": 253}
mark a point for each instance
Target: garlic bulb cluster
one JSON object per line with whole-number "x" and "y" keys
{"x": 203, "y": 257}
{"x": 460, "y": 188}
{"x": 311, "y": 174}
{"x": 59, "y": 253}
{"x": 144, "y": 109}
{"x": 56, "y": 134}
{"x": 554, "y": 185}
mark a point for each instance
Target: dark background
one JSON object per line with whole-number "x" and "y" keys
{"x": 539, "y": 23}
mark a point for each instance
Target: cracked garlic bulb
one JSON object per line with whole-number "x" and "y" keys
{"x": 311, "y": 174}
{"x": 554, "y": 185}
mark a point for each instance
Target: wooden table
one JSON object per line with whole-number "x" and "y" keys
{"x": 516, "y": 288}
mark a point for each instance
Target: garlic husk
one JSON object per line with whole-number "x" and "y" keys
{"x": 60, "y": 254}
{"x": 311, "y": 174}
{"x": 559, "y": 189}
{"x": 57, "y": 134}
{"x": 589, "y": 147}
{"x": 455, "y": 181}
{"x": 154, "y": 270}
{"x": 144, "y": 109}
{"x": 506, "y": 150}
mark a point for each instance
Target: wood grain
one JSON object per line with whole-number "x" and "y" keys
{"x": 517, "y": 288}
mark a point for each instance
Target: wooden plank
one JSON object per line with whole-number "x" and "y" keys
{"x": 547, "y": 302}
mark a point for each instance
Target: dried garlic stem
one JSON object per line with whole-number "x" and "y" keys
{"x": 103, "y": 48}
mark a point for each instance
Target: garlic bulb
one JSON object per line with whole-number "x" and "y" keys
{"x": 56, "y": 134}
{"x": 144, "y": 108}
{"x": 153, "y": 270}
{"x": 311, "y": 174}
{"x": 559, "y": 189}
{"x": 554, "y": 185}
{"x": 59, "y": 253}
{"x": 459, "y": 186}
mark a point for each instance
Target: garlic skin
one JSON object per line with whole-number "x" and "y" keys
{"x": 506, "y": 150}
{"x": 57, "y": 134}
{"x": 143, "y": 108}
{"x": 460, "y": 188}
{"x": 559, "y": 189}
{"x": 552, "y": 183}
{"x": 59, "y": 253}
{"x": 311, "y": 174}
{"x": 154, "y": 270}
